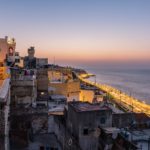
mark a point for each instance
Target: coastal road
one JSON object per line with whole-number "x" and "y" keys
{"x": 122, "y": 99}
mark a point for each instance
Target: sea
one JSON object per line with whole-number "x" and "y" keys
{"x": 134, "y": 82}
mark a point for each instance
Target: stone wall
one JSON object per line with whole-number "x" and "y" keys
{"x": 23, "y": 92}
{"x": 57, "y": 76}
{"x": 70, "y": 89}
{"x": 87, "y": 95}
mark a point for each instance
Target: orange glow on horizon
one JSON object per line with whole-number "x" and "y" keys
{"x": 81, "y": 56}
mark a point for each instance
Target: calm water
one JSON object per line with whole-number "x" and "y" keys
{"x": 135, "y": 82}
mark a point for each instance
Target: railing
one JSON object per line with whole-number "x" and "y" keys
{"x": 4, "y": 89}
{"x": 28, "y": 77}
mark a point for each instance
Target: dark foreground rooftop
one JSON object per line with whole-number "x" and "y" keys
{"x": 85, "y": 106}
{"x": 42, "y": 141}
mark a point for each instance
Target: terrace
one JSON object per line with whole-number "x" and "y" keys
{"x": 85, "y": 106}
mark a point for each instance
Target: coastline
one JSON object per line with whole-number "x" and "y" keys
{"x": 134, "y": 82}
{"x": 87, "y": 75}
{"x": 121, "y": 98}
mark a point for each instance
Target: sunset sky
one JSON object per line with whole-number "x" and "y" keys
{"x": 79, "y": 31}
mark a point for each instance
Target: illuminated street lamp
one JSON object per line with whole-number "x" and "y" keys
{"x": 120, "y": 97}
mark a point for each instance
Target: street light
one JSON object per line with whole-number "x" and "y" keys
{"x": 95, "y": 79}
{"x": 120, "y": 97}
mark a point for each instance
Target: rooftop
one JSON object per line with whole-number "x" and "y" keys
{"x": 109, "y": 130}
{"x": 57, "y": 97}
{"x": 141, "y": 137}
{"x": 56, "y": 110}
{"x": 85, "y": 106}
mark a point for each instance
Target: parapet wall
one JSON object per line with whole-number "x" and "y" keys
{"x": 66, "y": 88}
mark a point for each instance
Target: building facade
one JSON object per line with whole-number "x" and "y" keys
{"x": 30, "y": 60}
{"x": 7, "y": 50}
{"x": 84, "y": 121}
{"x": 23, "y": 86}
{"x": 79, "y": 127}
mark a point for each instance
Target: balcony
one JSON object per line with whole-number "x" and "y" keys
{"x": 23, "y": 81}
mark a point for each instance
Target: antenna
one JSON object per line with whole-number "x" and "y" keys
{"x": 54, "y": 60}
{"x": 95, "y": 79}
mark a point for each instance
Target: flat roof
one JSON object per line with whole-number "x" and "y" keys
{"x": 141, "y": 136}
{"x": 111, "y": 129}
{"x": 86, "y": 106}
{"x": 58, "y": 96}
{"x": 59, "y": 110}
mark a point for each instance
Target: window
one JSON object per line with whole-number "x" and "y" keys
{"x": 102, "y": 120}
{"x": 85, "y": 131}
{"x": 17, "y": 60}
{"x": 52, "y": 148}
{"x": 11, "y": 51}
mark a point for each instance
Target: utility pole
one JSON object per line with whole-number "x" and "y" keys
{"x": 54, "y": 60}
